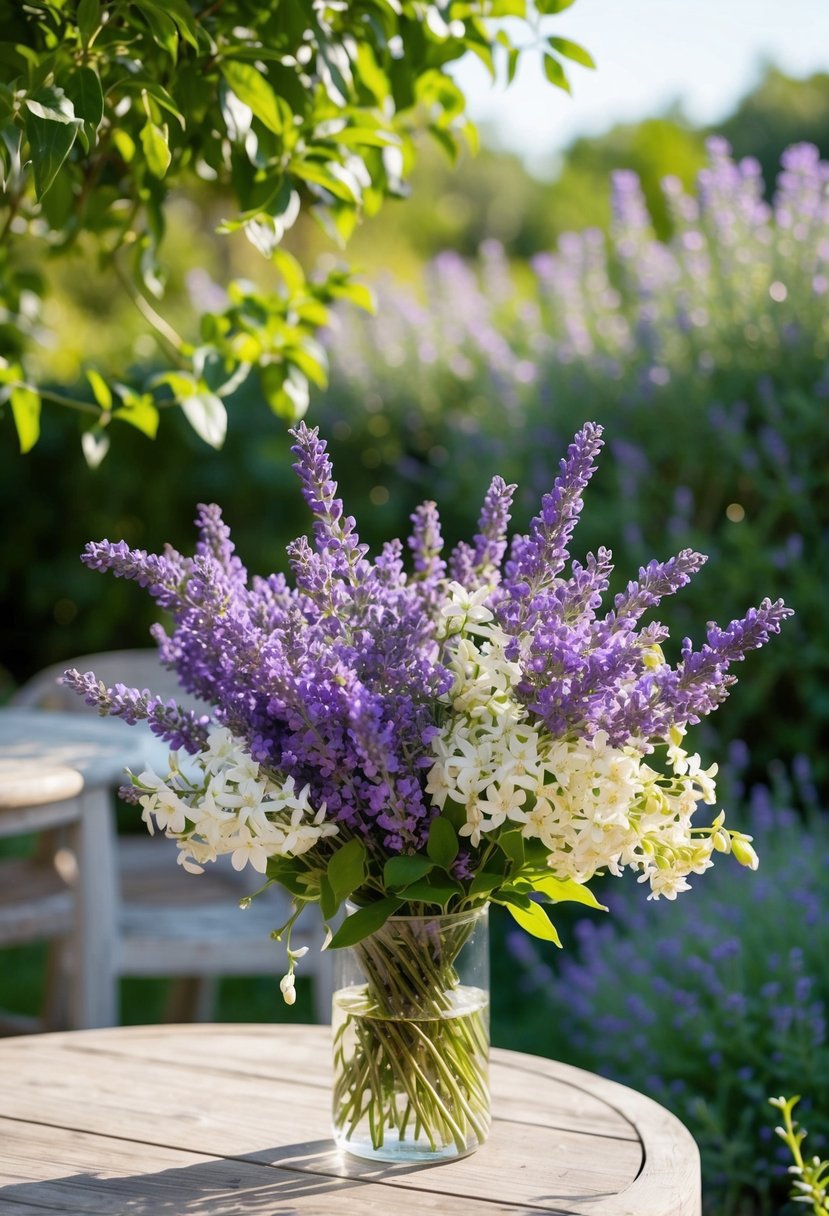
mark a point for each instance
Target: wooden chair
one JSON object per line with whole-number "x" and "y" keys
{"x": 166, "y": 922}
{"x": 37, "y": 900}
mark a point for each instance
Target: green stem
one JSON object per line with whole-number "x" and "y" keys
{"x": 406, "y": 1053}
{"x": 85, "y": 407}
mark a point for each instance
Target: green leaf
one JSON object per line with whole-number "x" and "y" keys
{"x": 442, "y": 845}
{"x": 512, "y": 843}
{"x": 25, "y": 403}
{"x": 329, "y": 904}
{"x": 485, "y": 882}
{"x": 288, "y": 872}
{"x": 286, "y": 391}
{"x": 290, "y": 269}
{"x": 400, "y": 871}
{"x": 572, "y": 50}
{"x": 164, "y": 31}
{"x": 181, "y": 13}
{"x": 100, "y": 388}
{"x": 140, "y": 412}
{"x": 183, "y": 384}
{"x": 555, "y": 73}
{"x": 553, "y": 6}
{"x": 50, "y": 142}
{"x": 364, "y": 921}
{"x": 347, "y": 869}
{"x": 160, "y": 96}
{"x": 536, "y": 921}
{"x": 83, "y": 88}
{"x": 89, "y": 19}
{"x": 154, "y": 140}
{"x": 312, "y": 361}
{"x": 207, "y": 416}
{"x": 251, "y": 87}
{"x": 565, "y": 890}
{"x": 331, "y": 176}
{"x": 356, "y": 293}
{"x": 432, "y": 891}
{"x": 51, "y": 105}
{"x": 365, "y": 137}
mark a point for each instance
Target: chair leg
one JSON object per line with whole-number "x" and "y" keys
{"x": 55, "y": 1013}
{"x": 94, "y": 976}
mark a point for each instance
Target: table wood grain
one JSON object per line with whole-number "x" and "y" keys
{"x": 234, "y": 1121}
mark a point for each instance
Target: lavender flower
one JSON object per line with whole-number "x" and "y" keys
{"x": 358, "y": 685}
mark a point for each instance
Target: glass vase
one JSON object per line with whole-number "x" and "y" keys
{"x": 411, "y": 1039}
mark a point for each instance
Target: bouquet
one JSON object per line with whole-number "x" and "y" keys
{"x": 416, "y": 745}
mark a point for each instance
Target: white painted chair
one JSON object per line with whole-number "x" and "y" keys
{"x": 166, "y": 922}
{"x": 37, "y": 901}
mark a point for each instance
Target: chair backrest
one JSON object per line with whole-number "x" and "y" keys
{"x": 135, "y": 668}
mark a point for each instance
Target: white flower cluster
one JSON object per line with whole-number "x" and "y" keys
{"x": 224, "y": 803}
{"x": 593, "y": 806}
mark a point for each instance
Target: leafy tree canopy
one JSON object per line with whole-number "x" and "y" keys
{"x": 109, "y": 106}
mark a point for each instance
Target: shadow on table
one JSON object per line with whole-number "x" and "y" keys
{"x": 261, "y": 1184}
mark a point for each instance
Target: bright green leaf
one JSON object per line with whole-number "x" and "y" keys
{"x": 400, "y": 871}
{"x": 100, "y": 388}
{"x": 331, "y": 176}
{"x": 290, "y": 269}
{"x": 555, "y": 73}
{"x": 442, "y": 845}
{"x": 312, "y": 361}
{"x": 124, "y": 144}
{"x": 141, "y": 413}
{"x": 572, "y": 50}
{"x": 536, "y": 921}
{"x": 363, "y": 922}
{"x": 356, "y": 293}
{"x": 553, "y": 6}
{"x": 251, "y": 87}
{"x": 25, "y": 403}
{"x": 160, "y": 96}
{"x": 364, "y": 137}
{"x": 565, "y": 890}
{"x": 291, "y": 401}
{"x": 154, "y": 140}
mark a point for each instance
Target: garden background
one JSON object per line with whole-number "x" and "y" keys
{"x": 671, "y": 282}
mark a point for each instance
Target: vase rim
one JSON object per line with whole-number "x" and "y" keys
{"x": 464, "y": 914}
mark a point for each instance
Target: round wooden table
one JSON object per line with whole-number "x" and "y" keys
{"x": 234, "y": 1121}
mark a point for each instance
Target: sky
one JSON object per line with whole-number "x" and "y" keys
{"x": 649, "y": 53}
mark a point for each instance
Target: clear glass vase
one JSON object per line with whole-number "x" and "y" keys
{"x": 411, "y": 1039}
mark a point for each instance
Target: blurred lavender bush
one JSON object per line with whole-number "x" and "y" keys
{"x": 713, "y": 1006}
{"x": 707, "y": 360}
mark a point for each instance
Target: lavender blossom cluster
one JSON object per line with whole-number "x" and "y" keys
{"x": 339, "y": 681}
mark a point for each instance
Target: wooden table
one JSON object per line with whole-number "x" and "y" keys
{"x": 234, "y": 1121}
